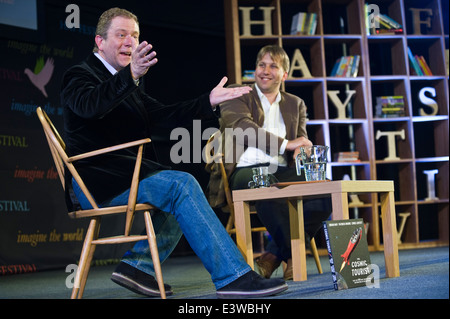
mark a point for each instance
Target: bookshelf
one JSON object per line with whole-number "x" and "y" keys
{"x": 420, "y": 135}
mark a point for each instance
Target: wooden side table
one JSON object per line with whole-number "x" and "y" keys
{"x": 294, "y": 194}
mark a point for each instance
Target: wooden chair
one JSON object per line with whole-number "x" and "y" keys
{"x": 211, "y": 159}
{"x": 57, "y": 148}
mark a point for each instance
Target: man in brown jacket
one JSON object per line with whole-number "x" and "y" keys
{"x": 267, "y": 127}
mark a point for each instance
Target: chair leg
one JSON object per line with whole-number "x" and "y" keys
{"x": 85, "y": 253}
{"x": 86, "y": 271}
{"x": 316, "y": 255}
{"x": 154, "y": 252}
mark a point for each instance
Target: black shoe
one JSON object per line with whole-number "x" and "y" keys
{"x": 138, "y": 281}
{"x": 252, "y": 285}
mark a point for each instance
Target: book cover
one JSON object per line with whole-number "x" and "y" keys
{"x": 390, "y": 106}
{"x": 413, "y": 63}
{"x": 295, "y": 23}
{"x": 391, "y": 21}
{"x": 348, "y": 157}
{"x": 249, "y": 75}
{"x": 307, "y": 24}
{"x": 382, "y": 22}
{"x": 355, "y": 66}
{"x": 386, "y": 25}
{"x": 388, "y": 31}
{"x": 336, "y": 66}
{"x": 348, "y": 252}
{"x": 348, "y": 67}
{"x": 298, "y": 23}
{"x": 446, "y": 61}
{"x": 304, "y": 23}
{"x": 340, "y": 72}
{"x": 424, "y": 65}
{"x": 313, "y": 24}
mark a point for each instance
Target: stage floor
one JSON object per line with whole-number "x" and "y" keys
{"x": 424, "y": 274}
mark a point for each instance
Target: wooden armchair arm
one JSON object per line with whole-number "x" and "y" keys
{"x": 108, "y": 150}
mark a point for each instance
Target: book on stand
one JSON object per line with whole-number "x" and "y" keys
{"x": 348, "y": 253}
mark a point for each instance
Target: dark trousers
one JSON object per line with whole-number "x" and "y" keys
{"x": 274, "y": 214}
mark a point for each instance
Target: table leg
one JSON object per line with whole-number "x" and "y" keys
{"x": 339, "y": 202}
{"x": 243, "y": 231}
{"x": 297, "y": 239}
{"x": 390, "y": 238}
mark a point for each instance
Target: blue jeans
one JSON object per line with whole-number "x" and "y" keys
{"x": 183, "y": 207}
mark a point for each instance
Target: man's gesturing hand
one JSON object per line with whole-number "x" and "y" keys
{"x": 220, "y": 94}
{"x": 142, "y": 59}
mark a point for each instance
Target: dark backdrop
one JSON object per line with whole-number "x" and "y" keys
{"x": 35, "y": 232}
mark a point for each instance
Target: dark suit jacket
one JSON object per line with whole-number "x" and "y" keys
{"x": 102, "y": 110}
{"x": 247, "y": 112}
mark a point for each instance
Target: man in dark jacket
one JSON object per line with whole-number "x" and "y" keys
{"x": 104, "y": 105}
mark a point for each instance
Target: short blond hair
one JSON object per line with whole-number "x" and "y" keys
{"x": 104, "y": 22}
{"x": 277, "y": 53}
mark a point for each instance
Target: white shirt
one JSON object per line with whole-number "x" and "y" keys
{"x": 273, "y": 123}
{"x": 107, "y": 65}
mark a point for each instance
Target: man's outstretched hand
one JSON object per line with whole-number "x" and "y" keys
{"x": 221, "y": 94}
{"x": 142, "y": 58}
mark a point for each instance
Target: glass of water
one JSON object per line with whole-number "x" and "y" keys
{"x": 314, "y": 161}
{"x": 260, "y": 177}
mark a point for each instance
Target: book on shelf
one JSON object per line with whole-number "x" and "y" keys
{"x": 348, "y": 253}
{"x": 249, "y": 75}
{"x": 418, "y": 64}
{"x": 385, "y": 24}
{"x": 389, "y": 22}
{"x": 390, "y": 106}
{"x": 346, "y": 66}
{"x": 304, "y": 23}
{"x": 413, "y": 63}
{"x": 423, "y": 65}
{"x": 352, "y": 156}
{"x": 446, "y": 61}
{"x": 388, "y": 32}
